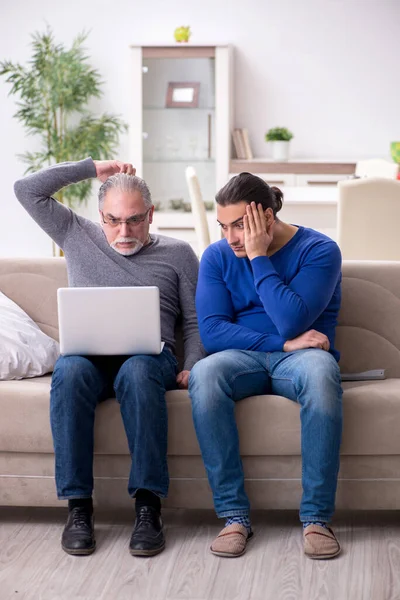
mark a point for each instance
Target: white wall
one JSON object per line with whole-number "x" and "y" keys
{"x": 327, "y": 69}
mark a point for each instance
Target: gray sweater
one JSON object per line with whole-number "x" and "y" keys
{"x": 169, "y": 264}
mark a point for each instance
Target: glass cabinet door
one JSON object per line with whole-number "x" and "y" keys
{"x": 178, "y": 128}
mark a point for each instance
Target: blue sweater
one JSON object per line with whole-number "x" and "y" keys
{"x": 260, "y": 304}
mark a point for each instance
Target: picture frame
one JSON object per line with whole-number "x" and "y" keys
{"x": 183, "y": 94}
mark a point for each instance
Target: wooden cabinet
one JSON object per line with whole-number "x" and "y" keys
{"x": 320, "y": 179}
{"x": 166, "y": 136}
{"x": 275, "y": 179}
{"x": 171, "y": 127}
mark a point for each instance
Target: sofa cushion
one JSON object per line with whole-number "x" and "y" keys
{"x": 33, "y": 284}
{"x": 368, "y": 335}
{"x": 268, "y": 425}
{"x": 26, "y": 351}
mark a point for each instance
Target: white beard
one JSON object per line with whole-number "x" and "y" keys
{"x": 127, "y": 251}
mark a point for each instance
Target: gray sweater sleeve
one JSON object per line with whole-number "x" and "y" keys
{"x": 193, "y": 348}
{"x": 35, "y": 194}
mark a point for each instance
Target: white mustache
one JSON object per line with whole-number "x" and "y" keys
{"x": 138, "y": 245}
{"x": 124, "y": 240}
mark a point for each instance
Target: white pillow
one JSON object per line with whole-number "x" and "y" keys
{"x": 25, "y": 351}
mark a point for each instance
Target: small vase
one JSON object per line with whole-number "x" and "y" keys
{"x": 280, "y": 150}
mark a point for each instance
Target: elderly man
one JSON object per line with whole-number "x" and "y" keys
{"x": 119, "y": 252}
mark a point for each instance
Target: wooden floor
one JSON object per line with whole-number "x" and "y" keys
{"x": 33, "y": 566}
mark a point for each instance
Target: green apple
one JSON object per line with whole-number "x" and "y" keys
{"x": 182, "y": 33}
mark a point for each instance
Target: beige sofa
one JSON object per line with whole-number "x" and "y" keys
{"x": 368, "y": 337}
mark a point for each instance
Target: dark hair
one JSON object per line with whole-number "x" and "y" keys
{"x": 248, "y": 188}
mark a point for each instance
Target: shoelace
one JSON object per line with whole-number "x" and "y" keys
{"x": 145, "y": 518}
{"x": 80, "y": 518}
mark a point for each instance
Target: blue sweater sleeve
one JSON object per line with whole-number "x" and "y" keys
{"x": 216, "y": 314}
{"x": 293, "y": 308}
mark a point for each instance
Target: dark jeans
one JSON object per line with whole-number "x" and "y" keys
{"x": 79, "y": 383}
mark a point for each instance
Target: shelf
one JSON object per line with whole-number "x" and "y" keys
{"x": 179, "y": 160}
{"x": 182, "y": 50}
{"x": 296, "y": 166}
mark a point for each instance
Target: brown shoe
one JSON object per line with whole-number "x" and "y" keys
{"x": 320, "y": 542}
{"x": 231, "y": 541}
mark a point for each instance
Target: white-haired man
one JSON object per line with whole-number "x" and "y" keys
{"x": 119, "y": 252}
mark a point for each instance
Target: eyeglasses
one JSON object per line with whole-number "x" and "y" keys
{"x": 131, "y": 221}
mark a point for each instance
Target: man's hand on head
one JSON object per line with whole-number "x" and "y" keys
{"x": 258, "y": 235}
{"x": 309, "y": 339}
{"x": 107, "y": 168}
{"x": 182, "y": 379}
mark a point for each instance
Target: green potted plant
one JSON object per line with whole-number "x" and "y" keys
{"x": 395, "y": 151}
{"x": 54, "y": 91}
{"x": 279, "y": 138}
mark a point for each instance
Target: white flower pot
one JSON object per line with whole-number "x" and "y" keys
{"x": 280, "y": 150}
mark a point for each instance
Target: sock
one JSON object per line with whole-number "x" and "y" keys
{"x": 242, "y": 520}
{"x": 86, "y": 503}
{"x": 307, "y": 523}
{"x": 147, "y": 498}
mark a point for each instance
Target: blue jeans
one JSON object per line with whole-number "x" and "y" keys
{"x": 309, "y": 377}
{"x": 79, "y": 383}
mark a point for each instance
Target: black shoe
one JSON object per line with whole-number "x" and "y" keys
{"x": 147, "y": 537}
{"x": 78, "y": 534}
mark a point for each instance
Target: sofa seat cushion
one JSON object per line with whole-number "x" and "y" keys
{"x": 268, "y": 425}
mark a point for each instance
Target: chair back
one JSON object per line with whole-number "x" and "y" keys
{"x": 368, "y": 219}
{"x": 198, "y": 210}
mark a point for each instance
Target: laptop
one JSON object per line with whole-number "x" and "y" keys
{"x": 109, "y": 320}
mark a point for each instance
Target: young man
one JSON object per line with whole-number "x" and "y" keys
{"x": 267, "y": 300}
{"x": 119, "y": 252}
